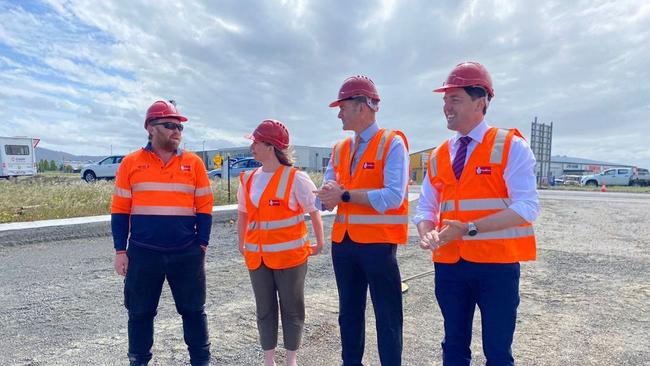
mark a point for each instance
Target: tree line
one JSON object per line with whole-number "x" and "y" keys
{"x": 50, "y": 166}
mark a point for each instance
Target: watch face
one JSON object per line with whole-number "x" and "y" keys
{"x": 471, "y": 229}
{"x": 345, "y": 197}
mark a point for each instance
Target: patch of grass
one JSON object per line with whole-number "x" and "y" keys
{"x": 57, "y": 196}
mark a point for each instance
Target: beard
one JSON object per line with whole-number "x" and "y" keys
{"x": 170, "y": 145}
{"x": 166, "y": 144}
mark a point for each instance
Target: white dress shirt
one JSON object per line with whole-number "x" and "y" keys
{"x": 519, "y": 176}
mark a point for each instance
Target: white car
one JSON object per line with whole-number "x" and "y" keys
{"x": 103, "y": 169}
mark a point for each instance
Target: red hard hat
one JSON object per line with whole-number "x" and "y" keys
{"x": 468, "y": 74}
{"x": 272, "y": 132}
{"x": 355, "y": 86}
{"x": 163, "y": 109}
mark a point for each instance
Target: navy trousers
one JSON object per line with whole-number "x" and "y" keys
{"x": 357, "y": 267}
{"x": 495, "y": 289}
{"x": 185, "y": 273}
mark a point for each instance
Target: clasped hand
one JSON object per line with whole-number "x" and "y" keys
{"x": 451, "y": 230}
{"x": 330, "y": 194}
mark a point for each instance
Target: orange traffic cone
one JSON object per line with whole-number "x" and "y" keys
{"x": 603, "y": 188}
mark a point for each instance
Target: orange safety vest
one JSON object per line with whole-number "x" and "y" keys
{"x": 363, "y": 223}
{"x": 275, "y": 233}
{"x": 481, "y": 191}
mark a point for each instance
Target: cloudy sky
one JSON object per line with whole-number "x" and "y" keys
{"x": 80, "y": 75}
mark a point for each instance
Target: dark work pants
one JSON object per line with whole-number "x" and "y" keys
{"x": 185, "y": 273}
{"x": 495, "y": 289}
{"x": 357, "y": 267}
{"x": 289, "y": 286}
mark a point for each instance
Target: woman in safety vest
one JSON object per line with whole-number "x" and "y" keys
{"x": 274, "y": 239}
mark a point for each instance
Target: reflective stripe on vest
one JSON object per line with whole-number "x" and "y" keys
{"x": 496, "y": 157}
{"x": 247, "y": 175}
{"x": 277, "y": 224}
{"x": 478, "y": 204}
{"x": 278, "y": 247}
{"x": 336, "y": 156}
{"x": 203, "y": 191}
{"x": 374, "y": 219}
{"x": 284, "y": 180}
{"x": 121, "y": 192}
{"x": 511, "y": 233}
{"x": 163, "y": 210}
{"x": 433, "y": 164}
{"x": 382, "y": 145}
{"x": 166, "y": 187}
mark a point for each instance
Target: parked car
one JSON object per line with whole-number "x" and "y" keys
{"x": 567, "y": 180}
{"x": 103, "y": 169}
{"x": 240, "y": 165}
{"x": 214, "y": 173}
{"x": 618, "y": 177}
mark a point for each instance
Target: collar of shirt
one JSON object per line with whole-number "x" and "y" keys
{"x": 179, "y": 152}
{"x": 369, "y": 132}
{"x": 477, "y": 133}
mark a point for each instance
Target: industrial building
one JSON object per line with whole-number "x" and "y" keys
{"x": 566, "y": 165}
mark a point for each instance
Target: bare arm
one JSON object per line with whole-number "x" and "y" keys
{"x": 317, "y": 224}
{"x": 242, "y": 224}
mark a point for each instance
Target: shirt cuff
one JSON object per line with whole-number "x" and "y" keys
{"x": 524, "y": 209}
{"x": 424, "y": 216}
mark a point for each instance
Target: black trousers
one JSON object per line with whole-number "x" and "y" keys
{"x": 358, "y": 267}
{"x": 185, "y": 273}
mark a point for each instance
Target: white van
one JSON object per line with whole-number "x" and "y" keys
{"x": 17, "y": 156}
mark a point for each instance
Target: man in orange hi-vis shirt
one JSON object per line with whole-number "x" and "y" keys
{"x": 161, "y": 218}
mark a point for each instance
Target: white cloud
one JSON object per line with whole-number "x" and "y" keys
{"x": 80, "y": 74}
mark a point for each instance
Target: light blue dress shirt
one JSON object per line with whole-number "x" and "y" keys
{"x": 395, "y": 172}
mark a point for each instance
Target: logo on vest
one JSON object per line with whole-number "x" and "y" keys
{"x": 369, "y": 165}
{"x": 186, "y": 168}
{"x": 274, "y": 202}
{"x": 484, "y": 170}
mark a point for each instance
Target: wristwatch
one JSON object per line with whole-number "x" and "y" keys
{"x": 472, "y": 230}
{"x": 345, "y": 197}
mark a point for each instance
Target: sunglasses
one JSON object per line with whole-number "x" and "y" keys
{"x": 168, "y": 125}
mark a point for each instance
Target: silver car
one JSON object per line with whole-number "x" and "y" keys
{"x": 103, "y": 169}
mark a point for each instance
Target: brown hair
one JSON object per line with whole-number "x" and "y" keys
{"x": 285, "y": 156}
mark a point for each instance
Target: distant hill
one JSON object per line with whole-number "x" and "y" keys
{"x": 60, "y": 156}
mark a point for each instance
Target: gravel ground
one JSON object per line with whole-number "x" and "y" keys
{"x": 583, "y": 302}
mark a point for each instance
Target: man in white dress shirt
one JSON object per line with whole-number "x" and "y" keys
{"x": 475, "y": 214}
